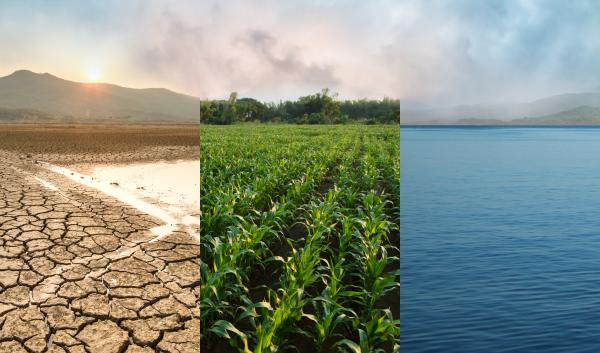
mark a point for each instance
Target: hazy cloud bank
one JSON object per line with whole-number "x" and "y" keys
{"x": 436, "y": 52}
{"x": 269, "y": 49}
{"x": 493, "y": 51}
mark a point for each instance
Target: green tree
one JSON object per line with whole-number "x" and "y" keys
{"x": 229, "y": 110}
{"x": 320, "y": 108}
{"x": 249, "y": 109}
{"x": 323, "y": 104}
{"x": 208, "y": 111}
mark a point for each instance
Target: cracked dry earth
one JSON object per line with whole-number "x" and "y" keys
{"x": 78, "y": 273}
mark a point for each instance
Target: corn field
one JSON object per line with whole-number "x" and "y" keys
{"x": 299, "y": 238}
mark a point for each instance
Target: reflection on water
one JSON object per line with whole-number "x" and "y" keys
{"x": 167, "y": 191}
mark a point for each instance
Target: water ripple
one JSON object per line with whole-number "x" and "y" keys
{"x": 500, "y": 240}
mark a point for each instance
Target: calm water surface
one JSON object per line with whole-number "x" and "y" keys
{"x": 500, "y": 239}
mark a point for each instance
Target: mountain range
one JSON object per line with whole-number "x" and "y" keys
{"x": 564, "y": 108}
{"x": 29, "y": 96}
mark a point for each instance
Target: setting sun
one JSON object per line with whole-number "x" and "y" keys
{"x": 94, "y": 74}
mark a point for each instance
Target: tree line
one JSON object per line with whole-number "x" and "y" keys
{"x": 319, "y": 108}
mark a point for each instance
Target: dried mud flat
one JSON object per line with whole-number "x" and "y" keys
{"x": 78, "y": 272}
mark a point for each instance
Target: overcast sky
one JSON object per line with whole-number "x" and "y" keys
{"x": 266, "y": 49}
{"x": 430, "y": 52}
{"x": 494, "y": 51}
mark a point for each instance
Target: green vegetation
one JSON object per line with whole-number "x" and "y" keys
{"x": 319, "y": 108}
{"x": 299, "y": 235}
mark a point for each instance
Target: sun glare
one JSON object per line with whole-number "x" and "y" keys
{"x": 94, "y": 74}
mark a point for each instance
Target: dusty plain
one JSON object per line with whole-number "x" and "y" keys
{"x": 78, "y": 272}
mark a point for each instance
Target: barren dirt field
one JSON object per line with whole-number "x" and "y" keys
{"x": 80, "y": 271}
{"x": 100, "y": 143}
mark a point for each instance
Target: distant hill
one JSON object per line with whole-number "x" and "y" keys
{"x": 582, "y": 114}
{"x": 19, "y": 115}
{"x": 563, "y": 103}
{"x": 539, "y": 108}
{"x": 47, "y": 97}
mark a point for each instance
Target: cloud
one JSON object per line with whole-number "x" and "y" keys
{"x": 266, "y": 48}
{"x": 436, "y": 52}
{"x": 488, "y": 51}
{"x": 288, "y": 64}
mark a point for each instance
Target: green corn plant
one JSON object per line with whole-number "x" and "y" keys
{"x": 300, "y": 272}
{"x": 255, "y": 181}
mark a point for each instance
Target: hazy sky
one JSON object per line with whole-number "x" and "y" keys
{"x": 433, "y": 52}
{"x": 266, "y": 49}
{"x": 497, "y": 50}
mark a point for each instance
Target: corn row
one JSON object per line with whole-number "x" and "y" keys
{"x": 255, "y": 182}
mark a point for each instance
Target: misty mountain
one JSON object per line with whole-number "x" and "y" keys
{"x": 43, "y": 95}
{"x": 583, "y": 114}
{"x": 539, "y": 108}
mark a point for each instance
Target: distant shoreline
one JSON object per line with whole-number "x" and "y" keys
{"x": 455, "y": 125}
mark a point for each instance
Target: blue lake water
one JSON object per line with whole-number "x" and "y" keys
{"x": 500, "y": 239}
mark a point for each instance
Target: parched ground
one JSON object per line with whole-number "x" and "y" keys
{"x": 77, "y": 270}
{"x": 72, "y": 144}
